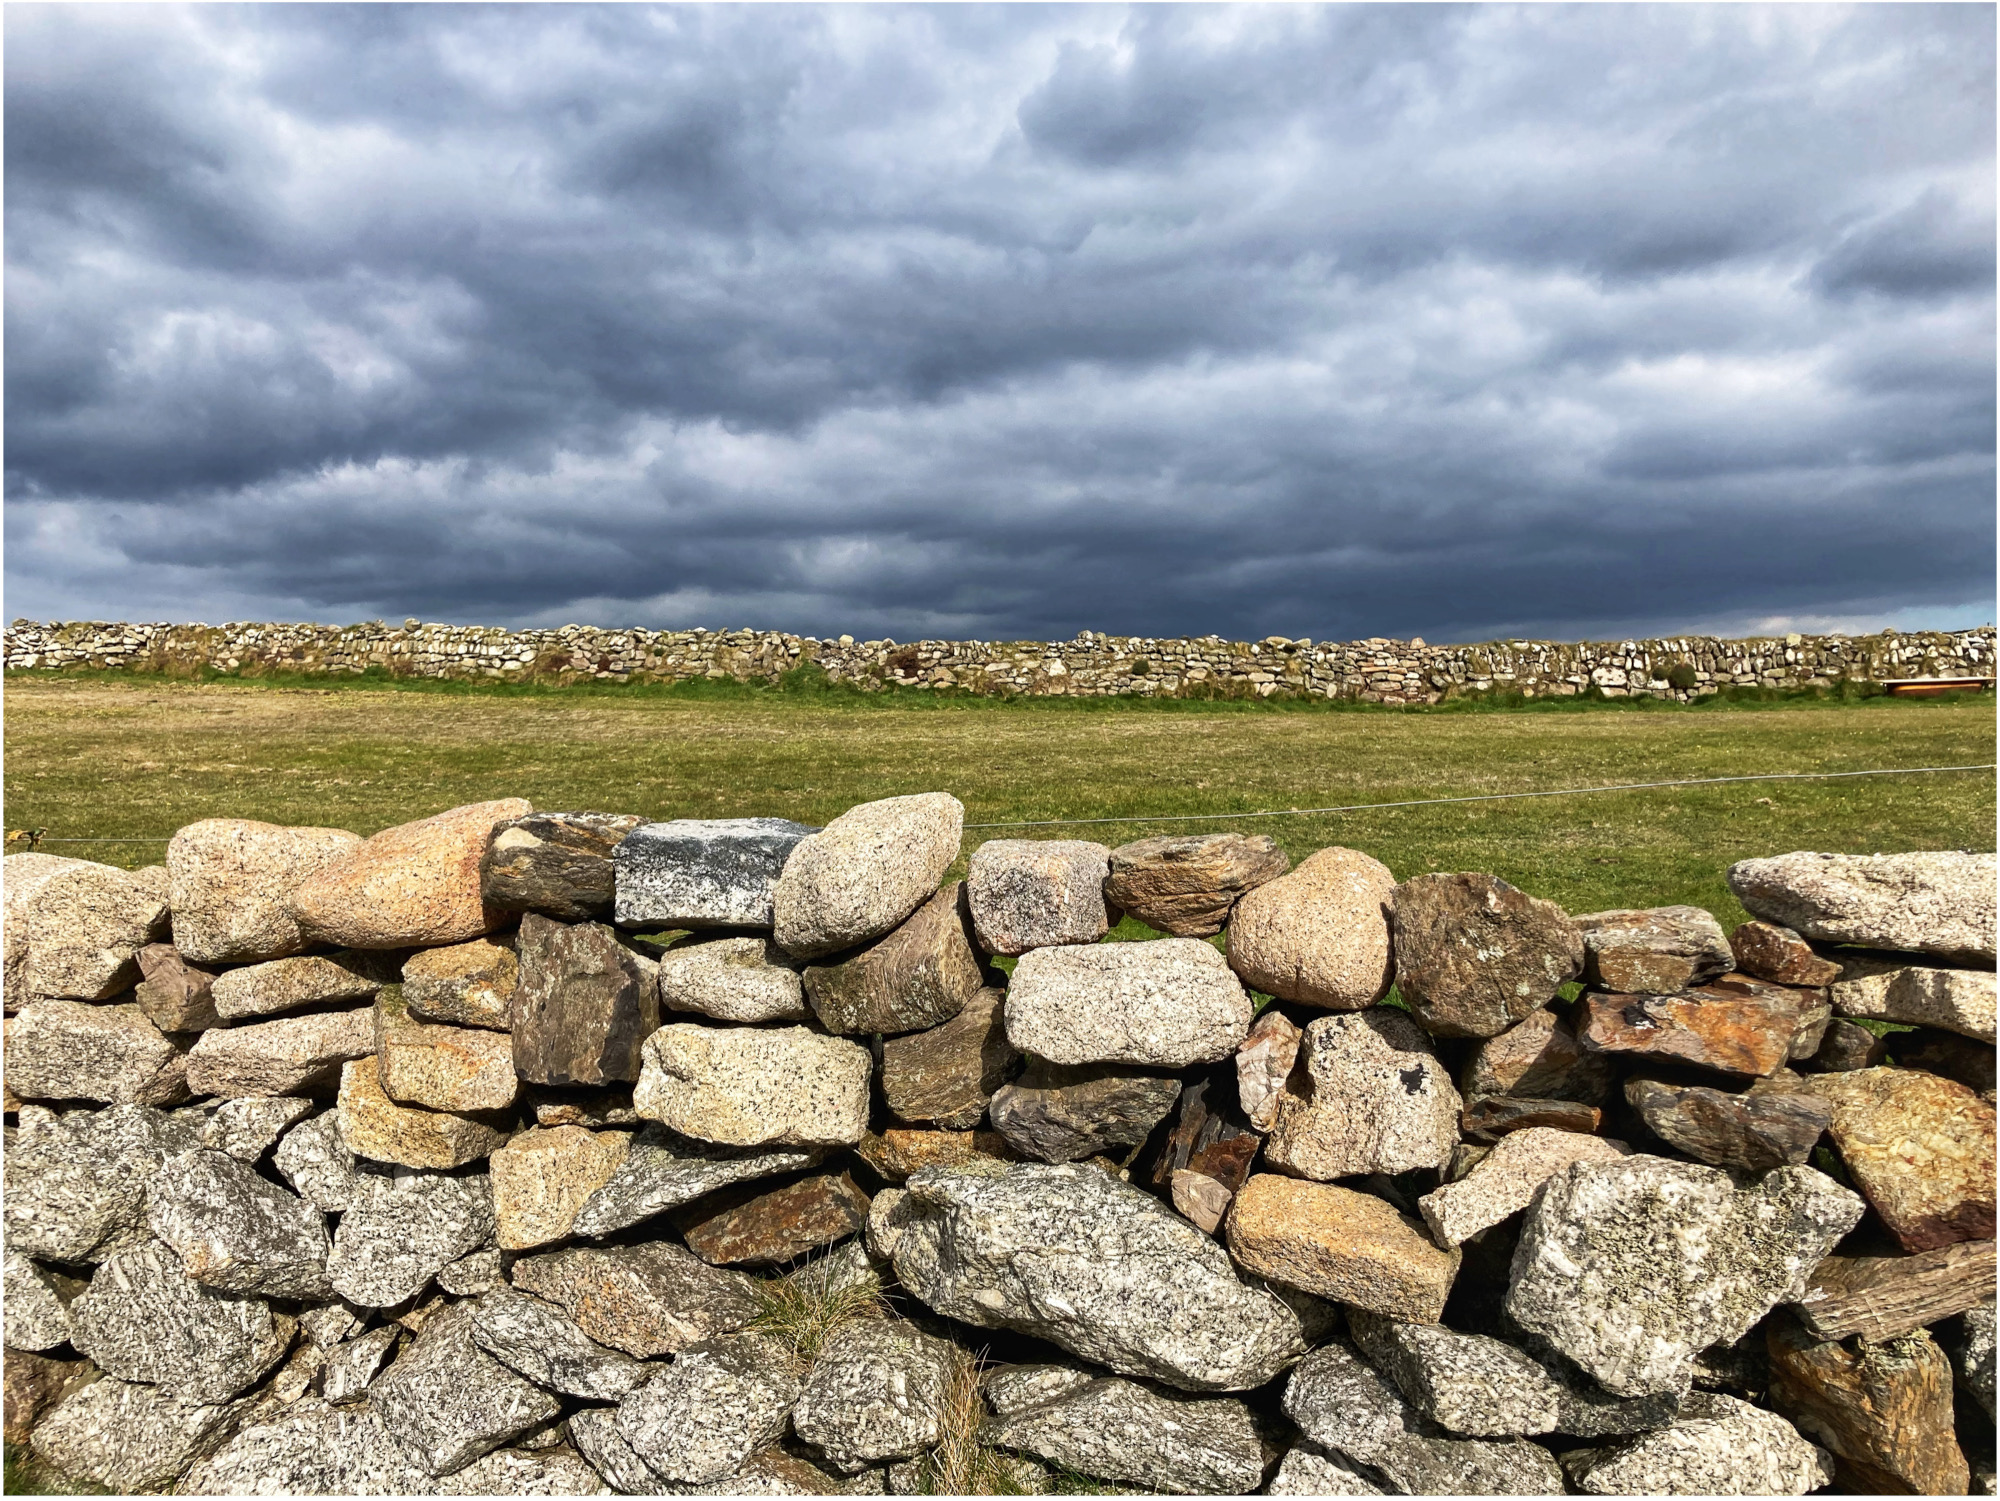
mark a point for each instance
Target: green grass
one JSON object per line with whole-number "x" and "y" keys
{"x": 107, "y": 754}
{"x": 27, "y": 1475}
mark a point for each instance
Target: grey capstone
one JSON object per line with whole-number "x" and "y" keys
{"x": 544, "y": 1344}
{"x": 865, "y": 872}
{"x": 352, "y": 1367}
{"x": 313, "y": 1449}
{"x": 76, "y": 1183}
{"x": 1309, "y": 1470}
{"x": 1164, "y": 1004}
{"x": 128, "y": 1436}
{"x": 450, "y": 1402}
{"x": 36, "y": 1318}
{"x": 733, "y": 979}
{"x": 237, "y": 1231}
{"x": 247, "y": 1127}
{"x": 144, "y": 1319}
{"x": 1109, "y": 1273}
{"x": 1630, "y": 1268}
{"x": 703, "y": 872}
{"x": 1123, "y": 1431}
{"x": 1719, "y": 1446}
{"x": 398, "y": 1232}
{"x": 1931, "y": 902}
{"x": 877, "y": 1392}
{"x": 72, "y": 1050}
{"x": 664, "y": 1170}
{"x": 700, "y": 1418}
{"x": 1881, "y": 989}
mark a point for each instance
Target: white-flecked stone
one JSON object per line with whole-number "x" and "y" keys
{"x": 85, "y": 926}
{"x": 36, "y": 1318}
{"x": 1719, "y": 1446}
{"x": 398, "y": 1232}
{"x": 1037, "y": 893}
{"x": 1167, "y": 1003}
{"x": 1505, "y": 1179}
{"x": 72, "y": 1050}
{"x": 703, "y": 872}
{"x": 1929, "y": 902}
{"x": 733, "y": 979}
{"x": 865, "y": 872}
{"x": 1377, "y": 1100}
{"x": 755, "y": 1086}
{"x": 299, "y": 1055}
{"x": 76, "y": 1183}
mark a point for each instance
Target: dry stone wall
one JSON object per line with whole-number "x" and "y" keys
{"x": 1377, "y": 670}
{"x": 514, "y": 1152}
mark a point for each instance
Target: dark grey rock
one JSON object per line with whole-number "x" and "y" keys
{"x": 1054, "y": 1113}
{"x": 313, "y": 1449}
{"x": 1109, "y": 1273}
{"x": 1756, "y": 1130}
{"x": 399, "y": 1232}
{"x": 247, "y": 1128}
{"x": 36, "y": 1317}
{"x": 558, "y": 864}
{"x": 699, "y": 1419}
{"x": 76, "y": 1184}
{"x": 665, "y": 1170}
{"x": 450, "y": 1402}
{"x": 542, "y": 1343}
{"x": 947, "y": 1075}
{"x": 704, "y": 872}
{"x": 583, "y": 1004}
{"x": 878, "y": 1391}
{"x": 127, "y": 1436}
{"x": 1845, "y": 1046}
{"x": 237, "y": 1231}
{"x": 1719, "y": 1446}
{"x": 1971, "y": 1352}
{"x": 352, "y": 1367}
{"x": 1123, "y": 1431}
{"x": 144, "y": 1319}
{"x": 647, "y": 1300}
{"x": 1474, "y": 955}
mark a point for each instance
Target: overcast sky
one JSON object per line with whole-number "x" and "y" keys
{"x": 1004, "y": 322}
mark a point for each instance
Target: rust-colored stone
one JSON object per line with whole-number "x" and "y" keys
{"x": 897, "y": 1152}
{"x": 1884, "y": 1409}
{"x": 1492, "y": 1117}
{"x": 1186, "y": 884}
{"x": 1884, "y": 1297}
{"x": 1920, "y": 1149}
{"x": 1538, "y": 1058}
{"x": 414, "y": 884}
{"x": 762, "y": 1229}
{"x": 174, "y": 994}
{"x": 1736, "y": 1026}
{"x": 1768, "y": 952}
{"x": 1336, "y": 1243}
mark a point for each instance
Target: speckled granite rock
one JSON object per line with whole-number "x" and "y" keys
{"x": 1882, "y": 989}
{"x": 865, "y": 872}
{"x": 399, "y": 1231}
{"x": 650, "y": 1299}
{"x": 127, "y": 1436}
{"x": 1335, "y": 1243}
{"x": 732, "y": 978}
{"x": 24, "y": 875}
{"x": 1123, "y": 1431}
{"x": 449, "y": 1402}
{"x": 72, "y": 1050}
{"x": 1309, "y": 1470}
{"x": 1719, "y": 1446}
{"x": 1505, "y": 1180}
{"x": 467, "y": 984}
{"x": 249, "y": 1126}
{"x": 1320, "y": 935}
{"x": 1037, "y": 893}
{"x": 351, "y": 1367}
{"x": 375, "y": 1126}
{"x": 1474, "y": 955}
{"x": 1653, "y": 950}
{"x": 1932, "y": 902}
{"x": 1378, "y": 1100}
{"x": 921, "y": 974}
{"x": 1469, "y": 1383}
{"x": 543, "y": 1177}
{"x": 1631, "y": 1267}
{"x": 557, "y": 864}
{"x": 440, "y": 1068}
{"x": 1165, "y": 1004}
{"x": 704, "y": 872}
{"x": 1188, "y": 884}
{"x": 1109, "y": 1273}
{"x": 86, "y": 924}
{"x": 599, "y": 1439}
{"x": 237, "y": 1231}
{"x": 755, "y": 1086}
{"x": 314, "y": 1158}
{"x": 76, "y": 1184}
{"x": 1058, "y": 1114}
{"x": 696, "y": 1421}
{"x": 299, "y": 1055}
{"x": 36, "y": 1317}
{"x": 414, "y": 885}
{"x": 230, "y": 882}
{"x": 540, "y": 1342}
{"x": 312, "y": 1449}
{"x": 583, "y": 1005}
{"x": 1919, "y": 1147}
{"x": 280, "y": 985}
{"x": 878, "y": 1391}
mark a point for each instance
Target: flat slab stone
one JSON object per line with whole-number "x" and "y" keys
{"x": 127, "y": 1436}
{"x": 449, "y": 1402}
{"x": 1336, "y": 1243}
{"x": 948, "y": 1074}
{"x": 250, "y": 1126}
{"x": 582, "y": 1007}
{"x": 1737, "y": 1026}
{"x": 375, "y": 1126}
{"x": 1188, "y": 884}
{"x": 1919, "y": 1147}
{"x": 647, "y": 1300}
{"x": 1109, "y": 1273}
{"x": 1653, "y": 950}
{"x": 1474, "y": 955}
{"x": 1884, "y": 1409}
{"x": 235, "y": 1230}
{"x": 1719, "y": 1446}
{"x": 663, "y": 1170}
{"x": 71, "y": 1050}
{"x": 704, "y": 872}
{"x": 37, "y": 1318}
{"x": 412, "y": 886}
{"x": 397, "y": 1233}
{"x": 1956, "y": 1000}
{"x": 172, "y": 992}
{"x": 76, "y": 1183}
{"x": 878, "y": 1391}
{"x": 896, "y": 1154}
{"x": 280, "y": 985}
{"x": 557, "y": 864}
{"x": 85, "y": 925}
{"x": 1037, "y": 893}
{"x": 1505, "y": 1180}
{"x": 1495, "y": 1116}
{"x": 1754, "y": 1130}
{"x": 467, "y": 984}
{"x": 865, "y": 872}
{"x": 144, "y": 1319}
{"x": 1376, "y": 1100}
{"x": 296, "y": 1055}
{"x": 748, "y": 1228}
{"x": 440, "y": 1068}
{"x": 1766, "y": 951}
{"x": 230, "y": 882}
{"x": 1884, "y": 1297}
{"x": 696, "y": 1421}
{"x": 1933, "y": 902}
{"x": 1122, "y": 1431}
{"x": 1164, "y": 1004}
{"x": 921, "y": 974}
{"x": 755, "y": 1086}
{"x": 733, "y": 978}
{"x": 1631, "y": 1268}
{"x": 539, "y": 1341}
{"x": 1059, "y": 1114}
{"x": 544, "y": 1176}
{"x": 1320, "y": 935}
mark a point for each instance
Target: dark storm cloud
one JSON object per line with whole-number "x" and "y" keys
{"x": 1003, "y": 321}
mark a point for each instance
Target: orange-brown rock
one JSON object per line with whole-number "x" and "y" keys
{"x": 416, "y": 884}
{"x": 1335, "y": 1243}
{"x": 1493, "y": 1116}
{"x": 544, "y": 1176}
{"x": 1654, "y": 950}
{"x": 1538, "y": 1058}
{"x": 746, "y": 1228}
{"x": 948, "y": 1075}
{"x": 1768, "y": 952}
{"x": 1883, "y": 1409}
{"x": 1188, "y": 884}
{"x": 174, "y": 993}
{"x": 1736, "y": 1026}
{"x": 1885, "y": 1297}
{"x": 1920, "y": 1149}
{"x": 897, "y": 1152}
{"x": 1474, "y": 955}
{"x": 1320, "y": 935}
{"x": 230, "y": 882}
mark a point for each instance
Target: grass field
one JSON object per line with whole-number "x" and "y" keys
{"x": 105, "y": 755}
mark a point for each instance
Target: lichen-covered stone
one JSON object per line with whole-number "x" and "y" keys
{"x": 1474, "y": 955}
{"x": 865, "y": 872}
{"x": 1504, "y": 1181}
{"x": 704, "y": 872}
{"x": 144, "y": 1319}
{"x": 76, "y": 1183}
{"x": 127, "y": 1436}
{"x": 1654, "y": 950}
{"x": 1630, "y": 1268}
{"x": 1769, "y": 952}
{"x": 1320, "y": 935}
{"x": 449, "y": 1402}
{"x": 71, "y": 1050}
{"x": 248, "y": 1127}
{"x": 650, "y": 1299}
{"x": 543, "y": 1177}
{"x": 697, "y": 1420}
{"x": 398, "y": 1232}
{"x": 467, "y": 984}
{"x": 1736, "y": 1026}
{"x": 1718, "y": 1446}
{"x": 1920, "y": 1148}
{"x": 1189, "y": 884}
{"x": 1070, "y": 1255}
{"x": 755, "y": 1086}
{"x": 733, "y": 978}
{"x": 280, "y": 985}
{"x": 1930, "y": 902}
{"x": 36, "y": 1318}
{"x": 1037, "y": 893}
{"x": 1754, "y": 1130}
{"x": 896, "y": 1154}
{"x": 747, "y": 1228}
{"x": 878, "y": 1391}
{"x": 1376, "y": 1100}
{"x": 921, "y": 974}
{"x": 1123, "y": 1431}
{"x": 582, "y": 1007}
{"x": 663, "y": 1170}
{"x": 300, "y": 1055}
{"x": 85, "y": 926}
{"x": 1956, "y": 1000}
{"x": 414, "y": 885}
{"x": 174, "y": 994}
{"x": 948, "y": 1075}
{"x": 230, "y": 882}
{"x": 1538, "y": 1057}
{"x": 375, "y": 1126}
{"x": 237, "y": 1231}
{"x": 440, "y": 1068}
{"x": 1335, "y": 1243}
{"x": 1057, "y": 1114}
{"x": 557, "y": 864}
{"x": 1165, "y": 1004}
{"x": 540, "y": 1342}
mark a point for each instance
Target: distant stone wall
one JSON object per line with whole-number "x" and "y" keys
{"x": 1377, "y": 670}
